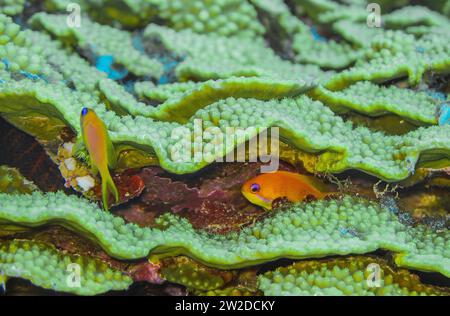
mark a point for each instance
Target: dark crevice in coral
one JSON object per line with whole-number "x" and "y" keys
{"x": 21, "y": 287}
{"x": 439, "y": 82}
{"x": 275, "y": 36}
{"x": 389, "y": 124}
{"x": 270, "y": 266}
{"x": 428, "y": 278}
{"x": 26, "y": 154}
{"x": 29, "y": 10}
{"x": 431, "y": 278}
{"x": 147, "y": 289}
{"x": 154, "y": 48}
{"x": 292, "y": 6}
{"x": 436, "y": 5}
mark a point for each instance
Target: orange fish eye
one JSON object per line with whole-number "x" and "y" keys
{"x": 255, "y": 187}
{"x": 84, "y": 111}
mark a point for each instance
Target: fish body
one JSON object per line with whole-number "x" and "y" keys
{"x": 101, "y": 151}
{"x": 266, "y": 188}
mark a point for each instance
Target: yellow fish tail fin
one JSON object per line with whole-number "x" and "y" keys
{"x": 108, "y": 186}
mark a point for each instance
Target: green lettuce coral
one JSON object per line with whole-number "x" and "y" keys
{"x": 68, "y": 68}
{"x": 373, "y": 100}
{"x": 11, "y": 7}
{"x": 74, "y": 71}
{"x": 46, "y": 267}
{"x": 306, "y": 124}
{"x": 159, "y": 93}
{"x": 193, "y": 275}
{"x": 224, "y": 18}
{"x": 11, "y": 181}
{"x": 394, "y": 54}
{"x": 17, "y": 54}
{"x": 240, "y": 68}
{"x": 328, "y": 12}
{"x": 187, "y": 98}
{"x": 415, "y": 15}
{"x": 356, "y": 32}
{"x": 308, "y": 46}
{"x": 101, "y": 40}
{"x": 363, "y": 276}
{"x": 305, "y": 230}
{"x": 216, "y": 57}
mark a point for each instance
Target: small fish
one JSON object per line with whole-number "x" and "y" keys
{"x": 266, "y": 188}
{"x": 101, "y": 151}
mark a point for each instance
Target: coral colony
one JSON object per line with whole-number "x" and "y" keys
{"x": 129, "y": 128}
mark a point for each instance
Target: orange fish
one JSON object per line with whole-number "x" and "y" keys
{"x": 101, "y": 151}
{"x": 266, "y": 188}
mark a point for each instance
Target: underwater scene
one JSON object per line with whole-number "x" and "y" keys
{"x": 225, "y": 147}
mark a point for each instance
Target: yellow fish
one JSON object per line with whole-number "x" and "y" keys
{"x": 266, "y": 188}
{"x": 101, "y": 151}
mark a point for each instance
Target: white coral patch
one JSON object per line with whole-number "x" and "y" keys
{"x": 68, "y": 147}
{"x": 70, "y": 164}
{"x": 85, "y": 183}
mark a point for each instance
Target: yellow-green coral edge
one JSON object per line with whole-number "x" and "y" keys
{"x": 306, "y": 230}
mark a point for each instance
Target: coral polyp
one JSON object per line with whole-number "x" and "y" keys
{"x": 197, "y": 98}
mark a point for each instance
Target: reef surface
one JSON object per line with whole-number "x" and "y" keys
{"x": 199, "y": 96}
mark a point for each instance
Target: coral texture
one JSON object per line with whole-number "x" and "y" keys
{"x": 305, "y": 230}
{"x": 190, "y": 92}
{"x": 46, "y": 267}
{"x": 349, "y": 276}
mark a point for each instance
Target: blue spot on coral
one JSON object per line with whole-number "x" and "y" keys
{"x": 6, "y": 63}
{"x": 437, "y": 95}
{"x": 348, "y": 232}
{"x": 316, "y": 35}
{"x": 31, "y": 76}
{"x": 420, "y": 50}
{"x": 169, "y": 64}
{"x": 26, "y": 74}
{"x": 105, "y": 64}
{"x": 137, "y": 43}
{"x": 444, "y": 118}
{"x": 390, "y": 203}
